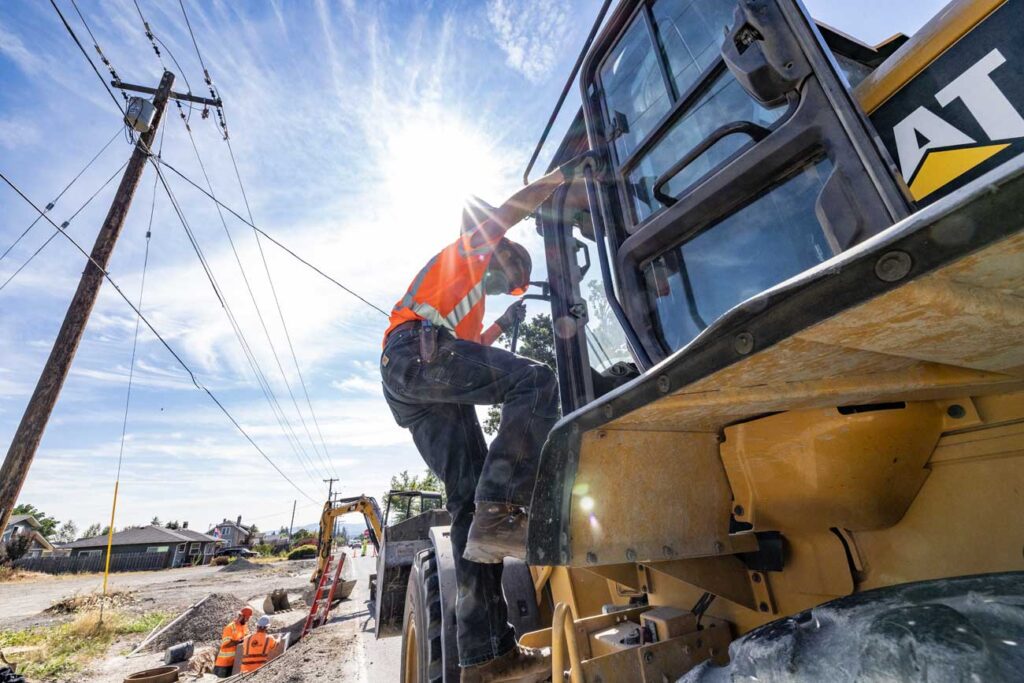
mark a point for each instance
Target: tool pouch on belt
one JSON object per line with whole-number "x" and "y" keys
{"x": 428, "y": 342}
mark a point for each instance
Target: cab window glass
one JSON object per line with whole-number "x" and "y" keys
{"x": 724, "y": 102}
{"x": 636, "y": 96}
{"x": 771, "y": 239}
{"x": 691, "y": 34}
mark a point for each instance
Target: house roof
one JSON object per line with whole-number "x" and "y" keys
{"x": 146, "y": 534}
{"x": 241, "y": 527}
{"x": 18, "y": 519}
{"x": 193, "y": 535}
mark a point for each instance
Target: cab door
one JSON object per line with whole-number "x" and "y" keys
{"x": 736, "y": 159}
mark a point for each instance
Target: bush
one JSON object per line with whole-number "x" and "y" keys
{"x": 304, "y": 552}
{"x": 304, "y": 542}
{"x": 220, "y": 561}
{"x": 264, "y": 549}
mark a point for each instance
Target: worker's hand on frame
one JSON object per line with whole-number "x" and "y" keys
{"x": 574, "y": 166}
{"x": 513, "y": 314}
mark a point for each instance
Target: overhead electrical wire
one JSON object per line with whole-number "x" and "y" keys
{"x": 160, "y": 338}
{"x": 323, "y": 454}
{"x": 262, "y": 379}
{"x": 56, "y": 199}
{"x": 259, "y": 313}
{"x": 85, "y": 54}
{"x": 239, "y": 335}
{"x": 65, "y": 224}
{"x": 270, "y": 237}
{"x": 277, "y": 303}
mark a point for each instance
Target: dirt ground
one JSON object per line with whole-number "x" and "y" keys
{"x": 342, "y": 650}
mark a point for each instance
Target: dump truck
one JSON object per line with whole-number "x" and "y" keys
{"x": 786, "y": 298}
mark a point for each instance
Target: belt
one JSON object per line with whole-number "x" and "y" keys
{"x": 411, "y": 325}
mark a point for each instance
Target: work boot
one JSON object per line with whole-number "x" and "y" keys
{"x": 521, "y": 664}
{"x": 498, "y": 531}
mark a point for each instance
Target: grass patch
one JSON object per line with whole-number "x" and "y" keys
{"x": 10, "y": 574}
{"x": 62, "y": 649}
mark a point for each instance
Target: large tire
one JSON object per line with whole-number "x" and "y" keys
{"x": 961, "y": 629}
{"x": 421, "y": 625}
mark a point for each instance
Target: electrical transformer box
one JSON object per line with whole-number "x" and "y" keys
{"x": 140, "y": 114}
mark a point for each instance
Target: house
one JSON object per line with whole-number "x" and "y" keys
{"x": 235, "y": 533}
{"x": 277, "y": 540}
{"x": 26, "y": 525}
{"x": 181, "y": 546}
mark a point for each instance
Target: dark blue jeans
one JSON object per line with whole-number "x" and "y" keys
{"x": 435, "y": 401}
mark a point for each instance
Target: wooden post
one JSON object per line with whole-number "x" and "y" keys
{"x": 40, "y": 407}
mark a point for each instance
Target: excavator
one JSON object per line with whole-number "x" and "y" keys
{"x": 787, "y": 298}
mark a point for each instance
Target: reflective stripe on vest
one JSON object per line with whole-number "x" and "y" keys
{"x": 226, "y": 654}
{"x": 448, "y": 291}
{"x": 256, "y": 651}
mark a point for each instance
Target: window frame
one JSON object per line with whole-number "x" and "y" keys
{"x": 680, "y": 104}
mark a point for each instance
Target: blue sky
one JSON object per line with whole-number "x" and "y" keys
{"x": 359, "y": 128}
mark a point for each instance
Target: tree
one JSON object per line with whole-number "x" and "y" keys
{"x": 404, "y": 481}
{"x": 48, "y": 525}
{"x": 283, "y": 531}
{"x": 537, "y": 341}
{"x": 302, "y": 534}
{"x": 67, "y": 532}
{"x": 92, "y": 530}
{"x": 173, "y": 526}
{"x": 156, "y": 521}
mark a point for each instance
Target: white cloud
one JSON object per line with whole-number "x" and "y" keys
{"x": 528, "y": 32}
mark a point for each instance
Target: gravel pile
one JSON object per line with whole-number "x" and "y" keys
{"x": 202, "y": 625}
{"x": 240, "y": 565}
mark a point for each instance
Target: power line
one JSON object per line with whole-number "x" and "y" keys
{"x": 65, "y": 224}
{"x": 56, "y": 199}
{"x": 261, "y": 379}
{"x": 159, "y": 337}
{"x": 277, "y": 303}
{"x": 85, "y": 54}
{"x": 227, "y": 208}
{"x": 252, "y": 297}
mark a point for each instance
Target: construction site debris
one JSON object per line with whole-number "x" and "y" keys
{"x": 178, "y": 653}
{"x": 162, "y": 674}
{"x": 204, "y": 624}
{"x": 240, "y": 565}
{"x": 91, "y": 601}
{"x": 202, "y": 661}
{"x": 7, "y": 675}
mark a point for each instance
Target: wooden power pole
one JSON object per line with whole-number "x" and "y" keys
{"x": 33, "y": 422}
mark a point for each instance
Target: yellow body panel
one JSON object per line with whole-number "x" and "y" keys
{"x": 947, "y": 27}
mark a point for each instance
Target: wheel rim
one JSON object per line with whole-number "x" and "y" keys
{"x": 412, "y": 648}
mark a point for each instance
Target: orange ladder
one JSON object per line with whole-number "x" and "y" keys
{"x": 321, "y": 607}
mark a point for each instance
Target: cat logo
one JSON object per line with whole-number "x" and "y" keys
{"x": 933, "y": 152}
{"x": 950, "y": 124}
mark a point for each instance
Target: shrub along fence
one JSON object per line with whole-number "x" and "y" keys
{"x": 78, "y": 564}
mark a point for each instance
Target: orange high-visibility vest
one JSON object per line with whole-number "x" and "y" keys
{"x": 226, "y": 655}
{"x": 256, "y": 651}
{"x": 449, "y": 290}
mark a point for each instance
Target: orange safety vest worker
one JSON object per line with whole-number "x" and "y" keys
{"x": 256, "y": 650}
{"x": 233, "y": 632}
{"x": 449, "y": 291}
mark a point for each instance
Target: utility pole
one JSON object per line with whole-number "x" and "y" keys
{"x": 330, "y": 488}
{"x": 30, "y": 431}
{"x": 292, "y": 523}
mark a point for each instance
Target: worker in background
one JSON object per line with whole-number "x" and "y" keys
{"x": 257, "y": 648}
{"x": 232, "y": 636}
{"x": 437, "y": 365}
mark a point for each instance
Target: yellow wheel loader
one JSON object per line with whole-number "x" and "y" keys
{"x": 787, "y": 300}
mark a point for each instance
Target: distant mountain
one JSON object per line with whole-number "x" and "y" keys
{"x": 353, "y": 529}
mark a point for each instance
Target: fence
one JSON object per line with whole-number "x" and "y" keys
{"x": 124, "y": 562}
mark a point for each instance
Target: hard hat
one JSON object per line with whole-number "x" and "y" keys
{"x": 475, "y": 212}
{"x": 246, "y": 611}
{"x": 263, "y": 622}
